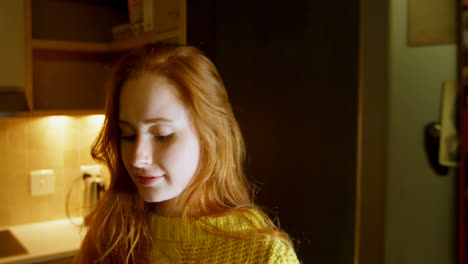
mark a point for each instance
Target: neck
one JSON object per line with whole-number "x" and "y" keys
{"x": 167, "y": 208}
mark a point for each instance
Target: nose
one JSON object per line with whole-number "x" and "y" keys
{"x": 143, "y": 154}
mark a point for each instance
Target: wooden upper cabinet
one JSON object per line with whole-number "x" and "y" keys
{"x": 12, "y": 38}
{"x": 66, "y": 77}
{"x": 13, "y": 56}
{"x": 67, "y": 48}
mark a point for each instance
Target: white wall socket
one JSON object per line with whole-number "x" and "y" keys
{"x": 94, "y": 170}
{"x": 42, "y": 182}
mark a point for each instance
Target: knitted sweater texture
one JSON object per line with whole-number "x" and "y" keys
{"x": 225, "y": 239}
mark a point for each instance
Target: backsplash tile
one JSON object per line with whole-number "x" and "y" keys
{"x": 71, "y": 158}
{"x": 61, "y": 143}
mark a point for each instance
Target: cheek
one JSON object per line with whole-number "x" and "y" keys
{"x": 182, "y": 157}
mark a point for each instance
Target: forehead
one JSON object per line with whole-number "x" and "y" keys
{"x": 150, "y": 96}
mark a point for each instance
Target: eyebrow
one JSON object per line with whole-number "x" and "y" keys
{"x": 150, "y": 121}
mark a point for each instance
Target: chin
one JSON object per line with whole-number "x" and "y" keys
{"x": 152, "y": 196}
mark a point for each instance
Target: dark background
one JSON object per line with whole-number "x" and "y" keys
{"x": 291, "y": 70}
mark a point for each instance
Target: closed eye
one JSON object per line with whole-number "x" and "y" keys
{"x": 164, "y": 137}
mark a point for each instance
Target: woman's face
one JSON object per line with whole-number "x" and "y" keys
{"x": 159, "y": 145}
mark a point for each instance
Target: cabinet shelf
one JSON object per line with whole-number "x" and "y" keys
{"x": 61, "y": 112}
{"x": 68, "y": 112}
{"x": 115, "y": 46}
{"x": 71, "y": 46}
{"x": 147, "y": 38}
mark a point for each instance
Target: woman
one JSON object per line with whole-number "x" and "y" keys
{"x": 178, "y": 193}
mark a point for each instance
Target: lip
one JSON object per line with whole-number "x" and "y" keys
{"x": 148, "y": 180}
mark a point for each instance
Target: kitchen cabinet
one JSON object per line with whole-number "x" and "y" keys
{"x": 69, "y": 50}
{"x": 13, "y": 51}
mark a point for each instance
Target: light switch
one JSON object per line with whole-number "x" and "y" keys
{"x": 42, "y": 182}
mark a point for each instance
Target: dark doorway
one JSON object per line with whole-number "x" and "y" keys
{"x": 291, "y": 70}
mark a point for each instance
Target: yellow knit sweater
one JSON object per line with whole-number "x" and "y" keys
{"x": 225, "y": 239}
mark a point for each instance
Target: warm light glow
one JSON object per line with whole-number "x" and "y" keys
{"x": 97, "y": 121}
{"x": 58, "y": 121}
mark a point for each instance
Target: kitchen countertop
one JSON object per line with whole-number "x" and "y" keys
{"x": 47, "y": 240}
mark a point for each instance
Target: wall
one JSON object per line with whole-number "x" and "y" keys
{"x": 407, "y": 212}
{"x": 61, "y": 143}
{"x": 420, "y": 210}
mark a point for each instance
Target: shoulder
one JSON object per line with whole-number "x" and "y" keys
{"x": 243, "y": 236}
{"x": 280, "y": 253}
{"x": 256, "y": 237}
{"x": 242, "y": 220}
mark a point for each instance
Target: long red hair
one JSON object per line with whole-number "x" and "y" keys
{"x": 119, "y": 226}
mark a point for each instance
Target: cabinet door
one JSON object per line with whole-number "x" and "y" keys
{"x": 12, "y": 54}
{"x": 12, "y": 61}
